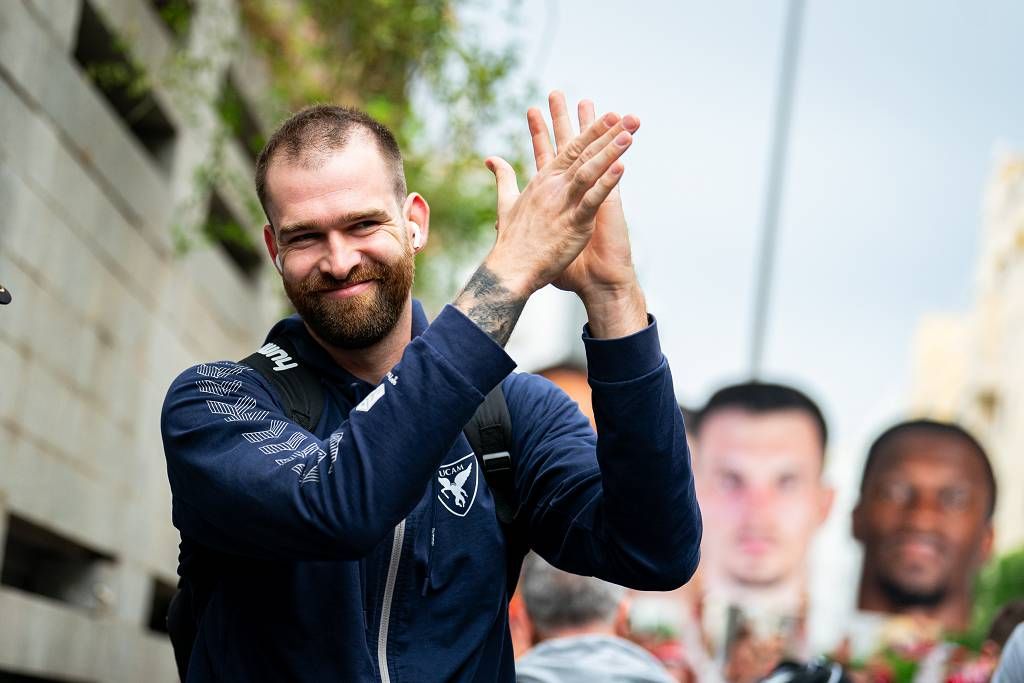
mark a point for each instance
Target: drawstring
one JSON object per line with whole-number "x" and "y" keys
{"x": 428, "y": 582}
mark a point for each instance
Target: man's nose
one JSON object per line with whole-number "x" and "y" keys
{"x": 759, "y": 506}
{"x": 761, "y": 498}
{"x": 924, "y": 513}
{"x": 340, "y": 258}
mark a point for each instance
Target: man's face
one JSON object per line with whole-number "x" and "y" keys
{"x": 758, "y": 480}
{"x": 923, "y": 518}
{"x": 347, "y": 263}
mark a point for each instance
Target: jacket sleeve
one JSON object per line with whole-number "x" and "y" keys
{"x": 246, "y": 480}
{"x": 619, "y": 505}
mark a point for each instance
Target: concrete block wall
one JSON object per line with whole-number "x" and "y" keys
{"x": 105, "y": 314}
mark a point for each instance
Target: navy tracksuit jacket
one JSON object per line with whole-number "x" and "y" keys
{"x": 369, "y": 549}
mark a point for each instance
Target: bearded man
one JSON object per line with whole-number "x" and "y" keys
{"x": 367, "y": 547}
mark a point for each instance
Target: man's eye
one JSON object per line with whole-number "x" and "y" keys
{"x": 730, "y": 482}
{"x": 954, "y": 499}
{"x": 895, "y": 492}
{"x": 304, "y": 237}
{"x": 788, "y": 482}
{"x": 366, "y": 225}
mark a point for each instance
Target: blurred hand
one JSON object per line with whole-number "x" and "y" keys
{"x": 753, "y": 658}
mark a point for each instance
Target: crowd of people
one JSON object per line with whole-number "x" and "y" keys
{"x": 923, "y": 519}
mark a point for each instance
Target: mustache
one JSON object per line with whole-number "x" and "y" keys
{"x": 317, "y": 281}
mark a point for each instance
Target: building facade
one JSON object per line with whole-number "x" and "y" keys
{"x": 110, "y": 114}
{"x": 969, "y": 368}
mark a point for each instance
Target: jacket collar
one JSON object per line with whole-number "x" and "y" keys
{"x": 309, "y": 351}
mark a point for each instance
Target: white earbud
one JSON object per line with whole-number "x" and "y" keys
{"x": 277, "y": 263}
{"x": 415, "y": 234}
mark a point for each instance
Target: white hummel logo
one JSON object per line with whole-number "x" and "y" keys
{"x": 370, "y": 399}
{"x": 282, "y": 361}
{"x": 393, "y": 378}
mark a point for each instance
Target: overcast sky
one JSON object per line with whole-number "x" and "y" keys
{"x": 899, "y": 108}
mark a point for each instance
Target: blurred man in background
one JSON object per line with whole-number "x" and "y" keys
{"x": 578, "y": 622}
{"x": 925, "y": 521}
{"x": 1007, "y": 634}
{"x": 759, "y": 455}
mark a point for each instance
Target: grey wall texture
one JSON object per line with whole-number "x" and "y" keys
{"x": 105, "y": 314}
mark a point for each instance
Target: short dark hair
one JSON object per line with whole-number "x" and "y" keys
{"x": 317, "y": 130}
{"x": 762, "y": 397}
{"x": 1008, "y": 618}
{"x": 934, "y": 427}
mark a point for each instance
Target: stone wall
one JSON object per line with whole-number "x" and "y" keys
{"x": 105, "y": 314}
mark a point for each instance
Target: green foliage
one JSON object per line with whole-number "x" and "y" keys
{"x": 380, "y": 55}
{"x": 237, "y": 122}
{"x": 1000, "y": 582}
{"x": 177, "y": 14}
{"x": 901, "y": 668}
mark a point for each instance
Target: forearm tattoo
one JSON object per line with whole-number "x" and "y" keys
{"x": 490, "y": 305}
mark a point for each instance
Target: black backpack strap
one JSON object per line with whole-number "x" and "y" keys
{"x": 299, "y": 389}
{"x": 302, "y": 396}
{"x": 489, "y": 432}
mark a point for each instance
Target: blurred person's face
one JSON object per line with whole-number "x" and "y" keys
{"x": 758, "y": 480}
{"x": 343, "y": 238}
{"x": 923, "y": 519}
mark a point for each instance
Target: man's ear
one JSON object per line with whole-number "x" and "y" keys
{"x": 621, "y": 623}
{"x": 826, "y": 498}
{"x": 271, "y": 242}
{"x": 416, "y": 210}
{"x": 858, "y": 521}
{"x": 987, "y": 542}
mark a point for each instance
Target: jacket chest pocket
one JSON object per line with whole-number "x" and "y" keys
{"x": 464, "y": 542}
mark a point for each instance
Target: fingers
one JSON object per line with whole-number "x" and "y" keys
{"x": 603, "y": 153}
{"x": 560, "y": 120}
{"x": 585, "y": 112}
{"x": 543, "y": 153}
{"x": 568, "y": 155}
{"x": 595, "y": 196}
{"x": 629, "y": 123}
{"x": 588, "y": 173}
{"x": 505, "y": 179}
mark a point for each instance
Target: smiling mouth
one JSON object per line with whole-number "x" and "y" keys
{"x": 919, "y": 548}
{"x": 349, "y": 289}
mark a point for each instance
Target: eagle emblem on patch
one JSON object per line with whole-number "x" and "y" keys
{"x": 459, "y": 482}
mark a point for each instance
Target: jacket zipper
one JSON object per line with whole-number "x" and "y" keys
{"x": 389, "y": 593}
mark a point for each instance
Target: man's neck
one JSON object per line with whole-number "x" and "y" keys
{"x": 953, "y": 612}
{"x": 373, "y": 362}
{"x": 592, "y": 629}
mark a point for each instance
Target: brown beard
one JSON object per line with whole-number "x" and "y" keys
{"x": 363, "y": 320}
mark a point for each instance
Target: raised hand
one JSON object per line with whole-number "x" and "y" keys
{"x": 544, "y": 229}
{"x": 602, "y": 275}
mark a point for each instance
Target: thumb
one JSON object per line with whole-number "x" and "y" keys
{"x": 505, "y": 179}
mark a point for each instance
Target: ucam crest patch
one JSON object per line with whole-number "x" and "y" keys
{"x": 459, "y": 482}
